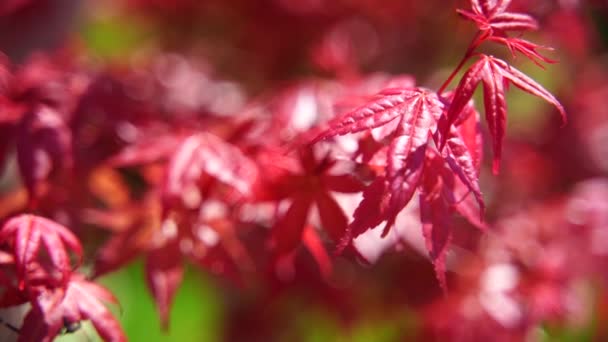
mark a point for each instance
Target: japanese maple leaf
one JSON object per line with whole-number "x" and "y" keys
{"x": 311, "y": 186}
{"x": 60, "y": 307}
{"x": 165, "y": 244}
{"x": 494, "y": 22}
{"x": 413, "y": 114}
{"x": 407, "y": 149}
{"x": 199, "y": 168}
{"x": 491, "y": 15}
{"x": 27, "y": 233}
{"x": 437, "y": 203}
{"x": 212, "y": 244}
{"x": 445, "y": 187}
{"x": 35, "y": 104}
{"x": 205, "y": 153}
{"x": 376, "y": 204}
{"x": 444, "y": 182}
{"x": 164, "y": 273}
{"x": 44, "y": 143}
{"x": 387, "y": 106}
{"x": 495, "y": 75}
{"x": 524, "y": 47}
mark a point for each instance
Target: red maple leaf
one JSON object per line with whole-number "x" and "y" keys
{"x": 491, "y": 15}
{"x": 444, "y": 180}
{"x": 201, "y": 154}
{"x": 495, "y": 75}
{"x": 417, "y": 111}
{"x": 525, "y": 47}
{"x": 26, "y": 234}
{"x": 386, "y": 106}
{"x": 202, "y": 169}
{"x": 311, "y": 185}
{"x": 35, "y": 110}
{"x": 60, "y": 307}
{"x": 44, "y": 143}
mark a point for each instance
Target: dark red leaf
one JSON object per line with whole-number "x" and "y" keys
{"x": 6, "y": 136}
{"x": 11, "y": 296}
{"x": 435, "y": 215}
{"x": 342, "y": 183}
{"x": 404, "y": 177}
{"x": 164, "y": 273}
{"x": 287, "y": 231}
{"x": 119, "y": 250}
{"x": 34, "y": 329}
{"x": 44, "y": 142}
{"x": 369, "y": 214}
{"x": 313, "y": 243}
{"x": 332, "y": 216}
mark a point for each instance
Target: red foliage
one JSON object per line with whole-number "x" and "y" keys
{"x": 59, "y": 296}
{"x": 235, "y": 162}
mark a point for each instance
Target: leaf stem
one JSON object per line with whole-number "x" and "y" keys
{"x": 475, "y": 42}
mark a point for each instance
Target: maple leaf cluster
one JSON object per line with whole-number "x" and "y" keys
{"x": 412, "y": 118}
{"x": 38, "y": 269}
{"x": 176, "y": 163}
